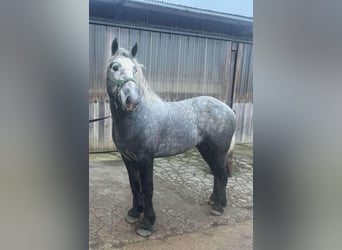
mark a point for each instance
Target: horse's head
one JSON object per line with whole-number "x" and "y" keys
{"x": 121, "y": 77}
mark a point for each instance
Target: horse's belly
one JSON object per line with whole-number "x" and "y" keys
{"x": 165, "y": 150}
{"x": 175, "y": 144}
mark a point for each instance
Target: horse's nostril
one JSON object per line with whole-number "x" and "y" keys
{"x": 128, "y": 100}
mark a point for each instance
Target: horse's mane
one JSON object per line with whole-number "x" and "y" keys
{"x": 149, "y": 95}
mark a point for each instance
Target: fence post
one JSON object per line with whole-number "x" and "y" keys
{"x": 233, "y": 63}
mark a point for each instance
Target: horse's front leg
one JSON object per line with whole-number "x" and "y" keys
{"x": 146, "y": 175}
{"x": 133, "y": 214}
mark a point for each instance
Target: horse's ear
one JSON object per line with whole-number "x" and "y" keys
{"x": 115, "y": 46}
{"x": 134, "y": 50}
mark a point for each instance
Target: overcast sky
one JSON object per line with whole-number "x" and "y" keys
{"x": 238, "y": 7}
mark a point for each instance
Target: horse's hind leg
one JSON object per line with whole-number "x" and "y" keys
{"x": 217, "y": 164}
{"x": 133, "y": 214}
{"x": 220, "y": 172}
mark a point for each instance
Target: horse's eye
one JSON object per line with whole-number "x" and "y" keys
{"x": 135, "y": 70}
{"x": 115, "y": 68}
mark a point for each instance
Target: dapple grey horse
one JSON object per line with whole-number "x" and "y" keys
{"x": 146, "y": 127}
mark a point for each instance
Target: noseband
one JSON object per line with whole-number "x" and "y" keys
{"x": 119, "y": 84}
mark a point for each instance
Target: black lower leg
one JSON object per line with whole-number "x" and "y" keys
{"x": 217, "y": 163}
{"x": 134, "y": 180}
{"x": 220, "y": 184}
{"x": 146, "y": 172}
{"x": 138, "y": 206}
{"x": 149, "y": 215}
{"x": 220, "y": 172}
{"x": 221, "y": 190}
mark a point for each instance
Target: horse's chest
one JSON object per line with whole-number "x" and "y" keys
{"x": 127, "y": 139}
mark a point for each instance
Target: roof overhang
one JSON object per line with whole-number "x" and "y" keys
{"x": 158, "y": 14}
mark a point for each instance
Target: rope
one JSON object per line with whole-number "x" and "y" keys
{"x": 99, "y": 119}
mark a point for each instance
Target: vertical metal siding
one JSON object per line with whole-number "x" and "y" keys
{"x": 177, "y": 66}
{"x": 243, "y": 93}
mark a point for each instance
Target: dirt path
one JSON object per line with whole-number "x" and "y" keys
{"x": 232, "y": 237}
{"x": 182, "y": 185}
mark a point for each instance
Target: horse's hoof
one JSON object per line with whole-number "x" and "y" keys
{"x": 216, "y": 210}
{"x": 131, "y": 220}
{"x": 143, "y": 232}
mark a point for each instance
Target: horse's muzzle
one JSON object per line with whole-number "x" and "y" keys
{"x": 129, "y": 96}
{"x": 131, "y": 104}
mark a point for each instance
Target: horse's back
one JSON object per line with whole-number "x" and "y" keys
{"x": 201, "y": 119}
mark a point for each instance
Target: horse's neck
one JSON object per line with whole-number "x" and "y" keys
{"x": 150, "y": 97}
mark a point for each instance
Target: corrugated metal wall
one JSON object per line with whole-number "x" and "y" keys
{"x": 242, "y": 95}
{"x": 178, "y": 66}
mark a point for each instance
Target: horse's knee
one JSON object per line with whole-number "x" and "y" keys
{"x": 138, "y": 202}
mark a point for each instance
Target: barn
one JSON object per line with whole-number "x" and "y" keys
{"x": 186, "y": 52}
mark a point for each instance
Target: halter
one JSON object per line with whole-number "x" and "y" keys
{"x": 119, "y": 84}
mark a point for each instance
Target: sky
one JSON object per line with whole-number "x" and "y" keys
{"x": 238, "y": 7}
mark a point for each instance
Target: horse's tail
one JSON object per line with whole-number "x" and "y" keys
{"x": 230, "y": 157}
{"x": 232, "y": 144}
